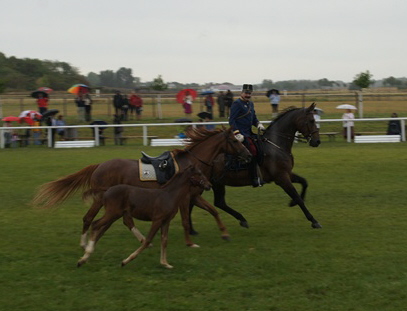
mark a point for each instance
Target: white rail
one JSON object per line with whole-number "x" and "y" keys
{"x": 147, "y": 125}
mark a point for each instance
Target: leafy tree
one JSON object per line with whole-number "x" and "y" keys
{"x": 326, "y": 83}
{"x": 267, "y": 84}
{"x": 159, "y": 84}
{"x": 93, "y": 78}
{"x": 392, "y": 81}
{"x": 363, "y": 80}
{"x": 124, "y": 78}
{"x": 107, "y": 78}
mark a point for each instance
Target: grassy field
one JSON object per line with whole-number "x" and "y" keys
{"x": 356, "y": 262}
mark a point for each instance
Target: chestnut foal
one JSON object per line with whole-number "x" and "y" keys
{"x": 156, "y": 205}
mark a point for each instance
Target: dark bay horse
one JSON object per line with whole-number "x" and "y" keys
{"x": 277, "y": 164}
{"x": 95, "y": 179}
{"x": 156, "y": 205}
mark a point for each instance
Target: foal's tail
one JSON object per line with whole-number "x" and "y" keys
{"x": 57, "y": 191}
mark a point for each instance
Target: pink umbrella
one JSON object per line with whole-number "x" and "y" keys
{"x": 28, "y": 116}
{"x": 10, "y": 119}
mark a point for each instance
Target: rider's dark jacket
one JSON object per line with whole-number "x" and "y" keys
{"x": 243, "y": 117}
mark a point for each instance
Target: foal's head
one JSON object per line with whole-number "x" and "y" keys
{"x": 198, "y": 179}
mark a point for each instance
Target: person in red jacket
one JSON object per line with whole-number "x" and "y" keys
{"x": 136, "y": 105}
{"x": 42, "y": 103}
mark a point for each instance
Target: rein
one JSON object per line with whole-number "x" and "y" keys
{"x": 202, "y": 161}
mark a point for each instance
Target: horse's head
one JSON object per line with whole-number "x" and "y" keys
{"x": 307, "y": 126}
{"x": 235, "y": 147}
{"x": 198, "y": 179}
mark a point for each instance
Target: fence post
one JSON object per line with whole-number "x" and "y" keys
{"x": 145, "y": 139}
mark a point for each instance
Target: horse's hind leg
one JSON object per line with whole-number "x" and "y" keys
{"x": 299, "y": 180}
{"x": 88, "y": 218}
{"x": 289, "y": 188}
{"x": 219, "y": 201}
{"x": 154, "y": 228}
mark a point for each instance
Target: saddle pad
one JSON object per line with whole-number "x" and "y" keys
{"x": 147, "y": 172}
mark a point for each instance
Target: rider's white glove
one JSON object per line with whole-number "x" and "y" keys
{"x": 260, "y": 127}
{"x": 239, "y": 136}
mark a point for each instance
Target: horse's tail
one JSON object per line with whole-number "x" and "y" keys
{"x": 57, "y": 191}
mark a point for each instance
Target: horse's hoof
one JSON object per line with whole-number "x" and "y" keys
{"x": 193, "y": 245}
{"x": 79, "y": 264}
{"x": 168, "y": 266}
{"x": 316, "y": 225}
{"x": 123, "y": 264}
{"x": 226, "y": 238}
{"x": 193, "y": 232}
{"x": 244, "y": 223}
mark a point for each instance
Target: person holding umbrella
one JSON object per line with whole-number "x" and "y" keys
{"x": 348, "y": 116}
{"x": 242, "y": 118}
{"x": 42, "y": 102}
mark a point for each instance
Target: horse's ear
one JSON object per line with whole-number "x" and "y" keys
{"x": 311, "y": 107}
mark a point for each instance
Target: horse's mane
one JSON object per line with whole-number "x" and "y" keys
{"x": 283, "y": 114}
{"x": 197, "y": 136}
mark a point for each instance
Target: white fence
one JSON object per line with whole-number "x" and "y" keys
{"x": 146, "y": 126}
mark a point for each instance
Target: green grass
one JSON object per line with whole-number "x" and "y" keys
{"x": 356, "y": 262}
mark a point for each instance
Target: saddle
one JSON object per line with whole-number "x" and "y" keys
{"x": 160, "y": 168}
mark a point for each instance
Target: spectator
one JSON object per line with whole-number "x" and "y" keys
{"x": 348, "y": 116}
{"x": 394, "y": 126}
{"x": 274, "y": 101}
{"x": 187, "y": 104}
{"x": 80, "y": 104}
{"x": 42, "y": 103}
{"x": 209, "y": 103}
{"x": 36, "y": 132}
{"x": 136, "y": 105}
{"x": 88, "y": 107}
{"x": 221, "y": 104}
{"x": 117, "y": 103}
{"x": 8, "y": 134}
{"x": 125, "y": 108}
{"x": 118, "y": 131}
{"x": 228, "y": 102}
{"x": 60, "y": 131}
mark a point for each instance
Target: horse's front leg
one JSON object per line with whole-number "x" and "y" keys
{"x": 219, "y": 192}
{"x": 299, "y": 180}
{"x": 202, "y": 203}
{"x": 288, "y": 187}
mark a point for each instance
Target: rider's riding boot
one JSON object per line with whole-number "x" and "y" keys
{"x": 255, "y": 174}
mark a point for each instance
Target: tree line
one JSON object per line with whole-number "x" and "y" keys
{"x": 26, "y": 74}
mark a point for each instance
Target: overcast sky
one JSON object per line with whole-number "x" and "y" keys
{"x": 213, "y": 40}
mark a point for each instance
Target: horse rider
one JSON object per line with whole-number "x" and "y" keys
{"x": 242, "y": 118}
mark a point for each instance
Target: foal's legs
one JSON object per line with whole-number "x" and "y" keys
{"x": 299, "y": 180}
{"x": 284, "y": 182}
{"x": 129, "y": 223}
{"x": 99, "y": 227}
{"x": 88, "y": 218}
{"x": 153, "y": 230}
{"x": 164, "y": 241}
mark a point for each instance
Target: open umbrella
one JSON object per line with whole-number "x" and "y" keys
{"x": 45, "y": 89}
{"x": 346, "y": 106}
{"x": 37, "y": 93}
{"x": 79, "y": 89}
{"x": 183, "y": 120}
{"x": 271, "y": 91}
{"x": 99, "y": 122}
{"x": 205, "y": 115}
{"x": 207, "y": 92}
{"x": 50, "y": 112}
{"x": 28, "y": 116}
{"x": 10, "y": 119}
{"x": 181, "y": 94}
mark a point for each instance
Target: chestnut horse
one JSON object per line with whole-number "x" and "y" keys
{"x": 277, "y": 164}
{"x": 93, "y": 180}
{"x": 156, "y": 205}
